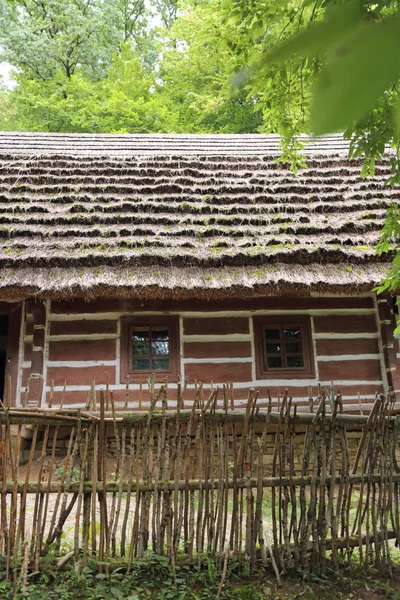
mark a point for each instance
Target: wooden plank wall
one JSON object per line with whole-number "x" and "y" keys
{"x": 82, "y": 343}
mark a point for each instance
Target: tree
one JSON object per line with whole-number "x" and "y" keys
{"x": 196, "y": 74}
{"x": 46, "y": 37}
{"x": 167, "y": 76}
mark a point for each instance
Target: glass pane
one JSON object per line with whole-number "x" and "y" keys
{"x": 160, "y": 335}
{"x": 140, "y": 364}
{"x": 159, "y": 342}
{"x": 273, "y": 348}
{"x": 140, "y": 336}
{"x": 294, "y": 361}
{"x": 139, "y": 349}
{"x": 160, "y": 364}
{"x": 272, "y": 334}
{"x": 159, "y": 347}
{"x": 292, "y": 334}
{"x": 293, "y": 347}
{"x": 274, "y": 362}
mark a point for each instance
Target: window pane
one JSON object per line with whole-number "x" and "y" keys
{"x": 159, "y": 342}
{"x": 273, "y": 348}
{"x": 159, "y": 335}
{"x": 159, "y": 347}
{"x": 140, "y": 349}
{"x": 292, "y": 334}
{"x": 272, "y": 334}
{"x": 294, "y": 361}
{"x": 140, "y": 336}
{"x": 274, "y": 362}
{"x": 140, "y": 364}
{"x": 160, "y": 364}
{"x": 293, "y": 347}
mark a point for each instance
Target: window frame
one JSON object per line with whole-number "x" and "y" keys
{"x": 260, "y": 323}
{"x": 170, "y": 323}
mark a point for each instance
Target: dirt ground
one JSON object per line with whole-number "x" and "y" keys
{"x": 354, "y": 586}
{"x": 368, "y": 590}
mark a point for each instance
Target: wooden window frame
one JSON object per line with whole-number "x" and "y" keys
{"x": 171, "y": 323}
{"x": 260, "y": 323}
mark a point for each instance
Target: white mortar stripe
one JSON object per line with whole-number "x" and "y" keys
{"x": 316, "y": 294}
{"x": 28, "y": 338}
{"x": 253, "y": 350}
{"x": 380, "y": 345}
{"x": 352, "y": 383}
{"x": 278, "y": 311}
{"x": 314, "y": 346}
{"x": 217, "y": 360}
{"x": 343, "y": 357}
{"x": 237, "y": 385}
{"x": 118, "y": 354}
{"x": 182, "y": 364}
{"x": 81, "y": 363}
{"x": 99, "y": 386}
{"x": 111, "y": 316}
{"x": 96, "y": 316}
{"x": 285, "y": 383}
{"x": 85, "y": 336}
{"x": 231, "y": 337}
{"x": 21, "y": 354}
{"x": 46, "y": 350}
{"x": 26, "y": 364}
{"x": 346, "y": 336}
{"x": 240, "y": 404}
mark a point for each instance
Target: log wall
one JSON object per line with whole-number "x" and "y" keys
{"x": 350, "y": 337}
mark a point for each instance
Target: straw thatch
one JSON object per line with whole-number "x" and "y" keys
{"x": 182, "y": 215}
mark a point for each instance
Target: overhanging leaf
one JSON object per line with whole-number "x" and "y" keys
{"x": 319, "y": 36}
{"x": 363, "y": 67}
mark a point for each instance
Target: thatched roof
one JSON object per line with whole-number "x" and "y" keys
{"x": 184, "y": 215}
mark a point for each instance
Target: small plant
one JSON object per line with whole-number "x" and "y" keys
{"x": 75, "y": 476}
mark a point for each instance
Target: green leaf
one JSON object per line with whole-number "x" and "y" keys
{"x": 318, "y": 36}
{"x": 116, "y": 592}
{"x": 87, "y": 570}
{"x": 397, "y": 119}
{"x": 363, "y": 67}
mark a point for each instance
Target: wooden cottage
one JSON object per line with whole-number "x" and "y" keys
{"x": 193, "y": 257}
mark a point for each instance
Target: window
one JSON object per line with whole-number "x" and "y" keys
{"x": 283, "y": 347}
{"x": 149, "y": 345}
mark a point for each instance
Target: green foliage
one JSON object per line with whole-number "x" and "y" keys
{"x": 360, "y": 61}
{"x": 153, "y": 578}
{"x": 119, "y": 67}
{"x": 196, "y": 76}
{"x": 357, "y": 74}
{"x": 44, "y": 39}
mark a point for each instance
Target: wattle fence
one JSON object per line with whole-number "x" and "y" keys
{"x": 289, "y": 490}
